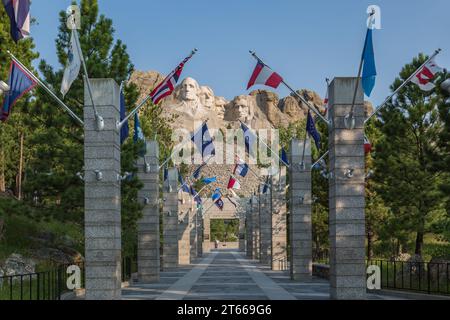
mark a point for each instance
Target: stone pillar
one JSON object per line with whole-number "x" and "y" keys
{"x": 184, "y": 230}
{"x": 279, "y": 216}
{"x": 200, "y": 232}
{"x": 102, "y": 222}
{"x": 148, "y": 226}
{"x": 170, "y": 221}
{"x": 255, "y": 228}
{"x": 241, "y": 233}
{"x": 300, "y": 226}
{"x": 194, "y": 229}
{"x": 206, "y": 234}
{"x": 265, "y": 227}
{"x": 346, "y": 199}
{"x": 249, "y": 229}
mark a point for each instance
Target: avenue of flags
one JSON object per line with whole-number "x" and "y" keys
{"x": 21, "y": 81}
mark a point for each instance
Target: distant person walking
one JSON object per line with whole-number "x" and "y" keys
{"x": 217, "y": 243}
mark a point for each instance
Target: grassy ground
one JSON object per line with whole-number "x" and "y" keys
{"x": 22, "y": 228}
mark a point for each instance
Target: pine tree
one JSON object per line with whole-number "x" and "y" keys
{"x": 14, "y": 128}
{"x": 403, "y": 166}
{"x": 58, "y": 139}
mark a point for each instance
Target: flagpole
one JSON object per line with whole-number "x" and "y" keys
{"x": 320, "y": 159}
{"x": 48, "y": 90}
{"x": 302, "y": 164}
{"x": 350, "y": 116}
{"x": 192, "y": 175}
{"x": 214, "y": 202}
{"x": 294, "y": 92}
{"x": 402, "y": 85}
{"x": 260, "y": 140}
{"x": 148, "y": 97}
{"x": 98, "y": 118}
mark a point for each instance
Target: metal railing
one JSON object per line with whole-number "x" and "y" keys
{"x": 50, "y": 285}
{"x": 427, "y": 277}
{"x": 45, "y": 285}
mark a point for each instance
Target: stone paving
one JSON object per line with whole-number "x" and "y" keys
{"x": 228, "y": 275}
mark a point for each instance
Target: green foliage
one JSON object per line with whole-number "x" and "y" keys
{"x": 404, "y": 173}
{"x": 224, "y": 230}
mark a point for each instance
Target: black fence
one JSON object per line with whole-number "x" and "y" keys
{"x": 427, "y": 277}
{"x": 45, "y": 285}
{"x": 49, "y": 285}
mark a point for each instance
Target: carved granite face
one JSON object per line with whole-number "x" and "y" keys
{"x": 189, "y": 90}
{"x": 207, "y": 97}
{"x": 241, "y": 108}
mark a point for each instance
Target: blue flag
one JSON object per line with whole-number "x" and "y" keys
{"x": 369, "y": 69}
{"x": 19, "y": 83}
{"x": 202, "y": 139}
{"x": 312, "y": 131}
{"x": 197, "y": 198}
{"x": 216, "y": 195}
{"x": 209, "y": 180}
{"x": 125, "y": 130}
{"x": 266, "y": 186}
{"x": 18, "y": 12}
{"x": 184, "y": 185}
{"x": 284, "y": 156}
{"x": 219, "y": 203}
{"x": 139, "y": 134}
{"x": 166, "y": 173}
{"x": 249, "y": 139}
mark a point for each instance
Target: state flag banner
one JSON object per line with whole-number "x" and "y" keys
{"x": 233, "y": 184}
{"x": 367, "y": 145}
{"x": 425, "y": 76}
{"x": 19, "y": 83}
{"x": 250, "y": 139}
{"x": 265, "y": 76}
{"x": 167, "y": 86}
{"x": 73, "y": 66}
{"x": 241, "y": 169}
{"x": 202, "y": 139}
{"x": 18, "y": 12}
{"x": 219, "y": 203}
{"x": 312, "y": 131}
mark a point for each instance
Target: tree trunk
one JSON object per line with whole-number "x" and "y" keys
{"x": 2, "y": 228}
{"x": 419, "y": 243}
{"x": 2, "y": 172}
{"x": 19, "y": 174}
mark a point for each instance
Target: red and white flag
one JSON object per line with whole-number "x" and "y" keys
{"x": 367, "y": 145}
{"x": 233, "y": 184}
{"x": 424, "y": 78}
{"x": 264, "y": 75}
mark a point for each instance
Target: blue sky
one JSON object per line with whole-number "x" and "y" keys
{"x": 304, "y": 41}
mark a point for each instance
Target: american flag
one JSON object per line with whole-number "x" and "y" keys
{"x": 166, "y": 87}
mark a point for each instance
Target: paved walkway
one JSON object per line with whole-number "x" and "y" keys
{"x": 228, "y": 275}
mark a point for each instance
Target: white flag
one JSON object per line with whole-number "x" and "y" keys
{"x": 73, "y": 66}
{"x": 424, "y": 78}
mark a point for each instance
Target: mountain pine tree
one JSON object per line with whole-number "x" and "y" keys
{"x": 404, "y": 163}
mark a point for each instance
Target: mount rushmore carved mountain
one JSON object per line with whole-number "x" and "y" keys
{"x": 193, "y": 103}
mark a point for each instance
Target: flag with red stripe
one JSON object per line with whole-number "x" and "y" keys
{"x": 264, "y": 75}
{"x": 166, "y": 87}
